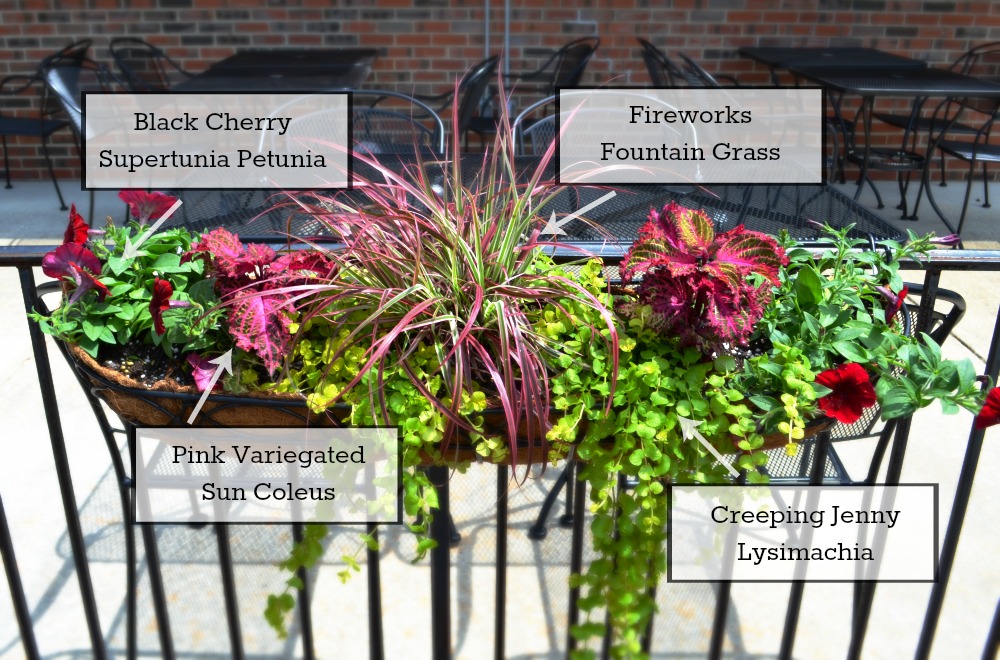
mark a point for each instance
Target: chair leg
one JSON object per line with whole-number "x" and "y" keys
{"x": 986, "y": 189}
{"x": 52, "y": 173}
{"x": 968, "y": 193}
{"x": 6, "y": 161}
{"x": 944, "y": 182}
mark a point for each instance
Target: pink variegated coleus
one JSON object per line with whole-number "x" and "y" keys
{"x": 700, "y": 284}
{"x": 260, "y": 289}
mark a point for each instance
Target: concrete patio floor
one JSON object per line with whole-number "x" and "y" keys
{"x": 29, "y": 214}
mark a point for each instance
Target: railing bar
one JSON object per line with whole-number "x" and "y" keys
{"x": 61, "y": 461}
{"x": 963, "y": 493}
{"x": 376, "y": 643}
{"x": 865, "y": 595}
{"x": 21, "y": 611}
{"x": 576, "y": 562}
{"x": 441, "y": 567}
{"x": 500, "y": 620}
{"x": 820, "y": 450}
{"x": 647, "y": 638}
{"x": 992, "y": 648}
{"x": 566, "y": 520}
{"x": 615, "y": 533}
{"x": 229, "y": 590}
{"x": 305, "y": 607}
{"x": 157, "y": 591}
{"x": 725, "y": 588}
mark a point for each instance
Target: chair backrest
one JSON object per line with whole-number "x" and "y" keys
{"x": 662, "y": 70}
{"x": 571, "y": 61}
{"x": 144, "y": 67}
{"x": 65, "y": 81}
{"x": 695, "y": 75}
{"x": 399, "y": 125}
{"x": 76, "y": 51}
{"x": 473, "y": 88}
{"x": 983, "y": 61}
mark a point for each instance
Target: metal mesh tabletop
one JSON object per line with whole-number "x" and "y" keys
{"x": 783, "y": 57}
{"x": 898, "y": 81}
{"x": 269, "y": 215}
{"x": 290, "y": 69}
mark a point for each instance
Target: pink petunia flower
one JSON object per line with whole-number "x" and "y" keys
{"x": 202, "y": 369}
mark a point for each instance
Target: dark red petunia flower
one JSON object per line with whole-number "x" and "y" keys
{"x": 990, "y": 413}
{"x": 893, "y": 301}
{"x": 160, "y": 303}
{"x": 77, "y": 231}
{"x": 852, "y": 392}
{"x": 77, "y": 263}
{"x": 146, "y": 206}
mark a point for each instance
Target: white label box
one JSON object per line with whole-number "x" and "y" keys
{"x": 267, "y": 475}
{"x": 216, "y": 141}
{"x": 689, "y": 136}
{"x": 803, "y": 533}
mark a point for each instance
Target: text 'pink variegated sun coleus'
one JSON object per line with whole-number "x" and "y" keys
{"x": 698, "y": 282}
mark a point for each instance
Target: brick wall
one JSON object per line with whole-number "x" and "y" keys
{"x": 425, "y": 44}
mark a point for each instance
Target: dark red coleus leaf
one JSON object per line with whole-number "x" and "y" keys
{"x": 852, "y": 392}
{"x": 77, "y": 230}
{"x": 162, "y": 290}
{"x": 989, "y": 415}
{"x": 696, "y": 281}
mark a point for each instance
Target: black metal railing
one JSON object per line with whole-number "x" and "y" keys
{"x": 442, "y": 634}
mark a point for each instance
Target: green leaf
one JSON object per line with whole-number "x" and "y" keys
{"x": 119, "y": 265}
{"x": 808, "y": 286}
{"x": 765, "y": 403}
{"x": 851, "y": 351}
{"x": 92, "y": 330}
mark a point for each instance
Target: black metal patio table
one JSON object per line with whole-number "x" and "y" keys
{"x": 779, "y": 58}
{"x": 288, "y": 69}
{"x": 873, "y": 83}
{"x": 267, "y": 215}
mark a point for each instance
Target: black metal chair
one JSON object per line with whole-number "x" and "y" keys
{"x": 783, "y": 469}
{"x": 66, "y": 79}
{"x": 474, "y": 98}
{"x": 696, "y": 76}
{"x": 15, "y": 95}
{"x": 662, "y": 70}
{"x": 981, "y": 60}
{"x": 144, "y": 67}
{"x": 565, "y": 67}
{"x": 15, "y": 89}
{"x": 976, "y": 148}
{"x": 398, "y": 125}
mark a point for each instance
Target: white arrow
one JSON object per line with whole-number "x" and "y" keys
{"x": 689, "y": 429}
{"x": 553, "y": 227}
{"x": 131, "y": 250}
{"x": 225, "y": 362}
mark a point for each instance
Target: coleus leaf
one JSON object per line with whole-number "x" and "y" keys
{"x": 259, "y": 324}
